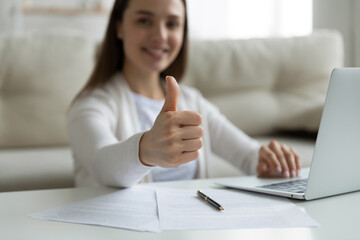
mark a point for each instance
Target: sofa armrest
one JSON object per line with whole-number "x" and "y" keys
{"x": 37, "y": 168}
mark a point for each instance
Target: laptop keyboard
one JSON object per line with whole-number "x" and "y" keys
{"x": 296, "y": 186}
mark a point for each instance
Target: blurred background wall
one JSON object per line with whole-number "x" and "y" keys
{"x": 208, "y": 19}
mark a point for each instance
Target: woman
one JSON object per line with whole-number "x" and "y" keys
{"x": 131, "y": 123}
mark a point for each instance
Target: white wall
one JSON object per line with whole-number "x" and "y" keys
{"x": 10, "y": 17}
{"x": 206, "y": 18}
{"x": 233, "y": 19}
{"x": 343, "y": 16}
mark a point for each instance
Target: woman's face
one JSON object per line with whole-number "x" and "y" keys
{"x": 152, "y": 33}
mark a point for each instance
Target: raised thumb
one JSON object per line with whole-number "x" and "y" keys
{"x": 172, "y": 93}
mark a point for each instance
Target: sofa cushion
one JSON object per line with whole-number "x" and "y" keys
{"x": 265, "y": 85}
{"x": 39, "y": 76}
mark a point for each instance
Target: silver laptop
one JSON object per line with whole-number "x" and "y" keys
{"x": 335, "y": 165}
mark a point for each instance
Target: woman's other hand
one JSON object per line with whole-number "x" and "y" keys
{"x": 278, "y": 160}
{"x": 175, "y": 137}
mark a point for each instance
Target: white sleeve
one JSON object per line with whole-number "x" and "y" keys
{"x": 229, "y": 142}
{"x": 91, "y": 126}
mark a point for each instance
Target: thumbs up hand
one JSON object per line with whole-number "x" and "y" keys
{"x": 175, "y": 137}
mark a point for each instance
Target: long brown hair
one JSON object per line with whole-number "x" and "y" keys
{"x": 111, "y": 55}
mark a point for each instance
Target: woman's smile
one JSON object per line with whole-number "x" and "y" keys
{"x": 156, "y": 53}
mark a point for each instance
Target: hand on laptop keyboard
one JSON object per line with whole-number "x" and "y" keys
{"x": 278, "y": 160}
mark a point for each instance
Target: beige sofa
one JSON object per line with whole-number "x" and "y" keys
{"x": 270, "y": 88}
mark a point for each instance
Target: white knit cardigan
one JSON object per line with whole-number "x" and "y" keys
{"x": 104, "y": 135}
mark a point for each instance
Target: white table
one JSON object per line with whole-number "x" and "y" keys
{"x": 338, "y": 216}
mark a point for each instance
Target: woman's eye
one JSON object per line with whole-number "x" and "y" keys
{"x": 173, "y": 25}
{"x": 144, "y": 21}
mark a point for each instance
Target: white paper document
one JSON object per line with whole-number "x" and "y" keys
{"x": 183, "y": 210}
{"x": 133, "y": 208}
{"x": 155, "y": 209}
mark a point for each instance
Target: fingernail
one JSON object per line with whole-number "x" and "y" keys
{"x": 293, "y": 173}
{"x": 278, "y": 169}
{"x": 286, "y": 174}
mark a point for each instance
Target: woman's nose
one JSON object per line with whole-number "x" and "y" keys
{"x": 160, "y": 32}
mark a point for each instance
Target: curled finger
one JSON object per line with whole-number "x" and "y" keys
{"x": 297, "y": 160}
{"x": 192, "y": 145}
{"x": 290, "y": 160}
{"x": 268, "y": 156}
{"x": 276, "y": 148}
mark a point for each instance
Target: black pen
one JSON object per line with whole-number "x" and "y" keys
{"x": 210, "y": 201}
